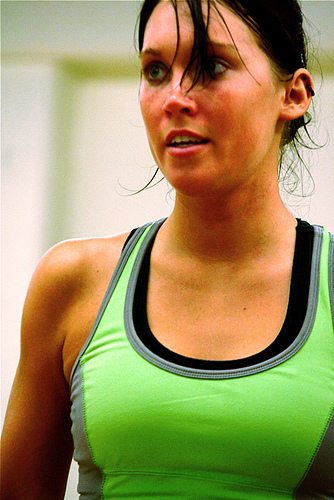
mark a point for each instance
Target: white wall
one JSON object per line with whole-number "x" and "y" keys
{"x": 72, "y": 131}
{"x": 26, "y": 123}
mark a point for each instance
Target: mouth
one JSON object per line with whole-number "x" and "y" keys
{"x": 185, "y": 141}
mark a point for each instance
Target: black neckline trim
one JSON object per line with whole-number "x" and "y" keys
{"x": 296, "y": 311}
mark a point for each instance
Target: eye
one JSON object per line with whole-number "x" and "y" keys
{"x": 216, "y": 67}
{"x": 155, "y": 72}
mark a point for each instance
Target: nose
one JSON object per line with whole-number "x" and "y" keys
{"x": 179, "y": 99}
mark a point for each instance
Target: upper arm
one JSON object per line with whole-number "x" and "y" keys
{"x": 36, "y": 442}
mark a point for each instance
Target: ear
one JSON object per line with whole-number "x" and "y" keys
{"x": 298, "y": 94}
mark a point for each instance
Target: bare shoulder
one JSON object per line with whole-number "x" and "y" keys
{"x": 63, "y": 299}
{"x": 74, "y": 265}
{"x": 69, "y": 269}
{"x": 72, "y": 261}
{"x": 68, "y": 287}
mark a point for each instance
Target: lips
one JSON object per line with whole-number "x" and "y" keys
{"x": 184, "y": 138}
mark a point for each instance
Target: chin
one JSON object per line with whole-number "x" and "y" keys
{"x": 195, "y": 188}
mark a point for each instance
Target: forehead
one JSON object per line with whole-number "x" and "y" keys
{"x": 223, "y": 25}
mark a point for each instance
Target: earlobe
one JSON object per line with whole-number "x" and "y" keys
{"x": 298, "y": 95}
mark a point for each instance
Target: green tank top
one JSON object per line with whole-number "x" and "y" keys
{"x": 145, "y": 427}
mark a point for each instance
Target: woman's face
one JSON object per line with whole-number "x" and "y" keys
{"x": 219, "y": 134}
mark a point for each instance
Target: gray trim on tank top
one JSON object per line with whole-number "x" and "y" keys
{"x": 331, "y": 272}
{"x": 91, "y": 478}
{"x": 295, "y": 346}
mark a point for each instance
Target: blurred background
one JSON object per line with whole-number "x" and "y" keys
{"x": 74, "y": 145}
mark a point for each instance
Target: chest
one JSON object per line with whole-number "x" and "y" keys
{"x": 229, "y": 318}
{"x": 255, "y": 433}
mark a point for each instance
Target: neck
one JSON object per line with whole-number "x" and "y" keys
{"x": 237, "y": 228}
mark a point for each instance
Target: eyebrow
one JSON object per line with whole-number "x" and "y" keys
{"x": 230, "y": 47}
{"x": 150, "y": 52}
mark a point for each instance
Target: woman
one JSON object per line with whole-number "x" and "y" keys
{"x": 208, "y": 370}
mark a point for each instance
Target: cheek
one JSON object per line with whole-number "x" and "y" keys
{"x": 143, "y": 105}
{"x": 147, "y": 106}
{"x": 227, "y": 112}
{"x": 143, "y": 99}
{"x": 151, "y": 104}
{"x": 245, "y": 110}
{"x": 148, "y": 98}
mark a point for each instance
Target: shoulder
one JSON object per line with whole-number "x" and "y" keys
{"x": 79, "y": 256}
{"x": 72, "y": 264}
{"x": 66, "y": 275}
{"x": 63, "y": 299}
